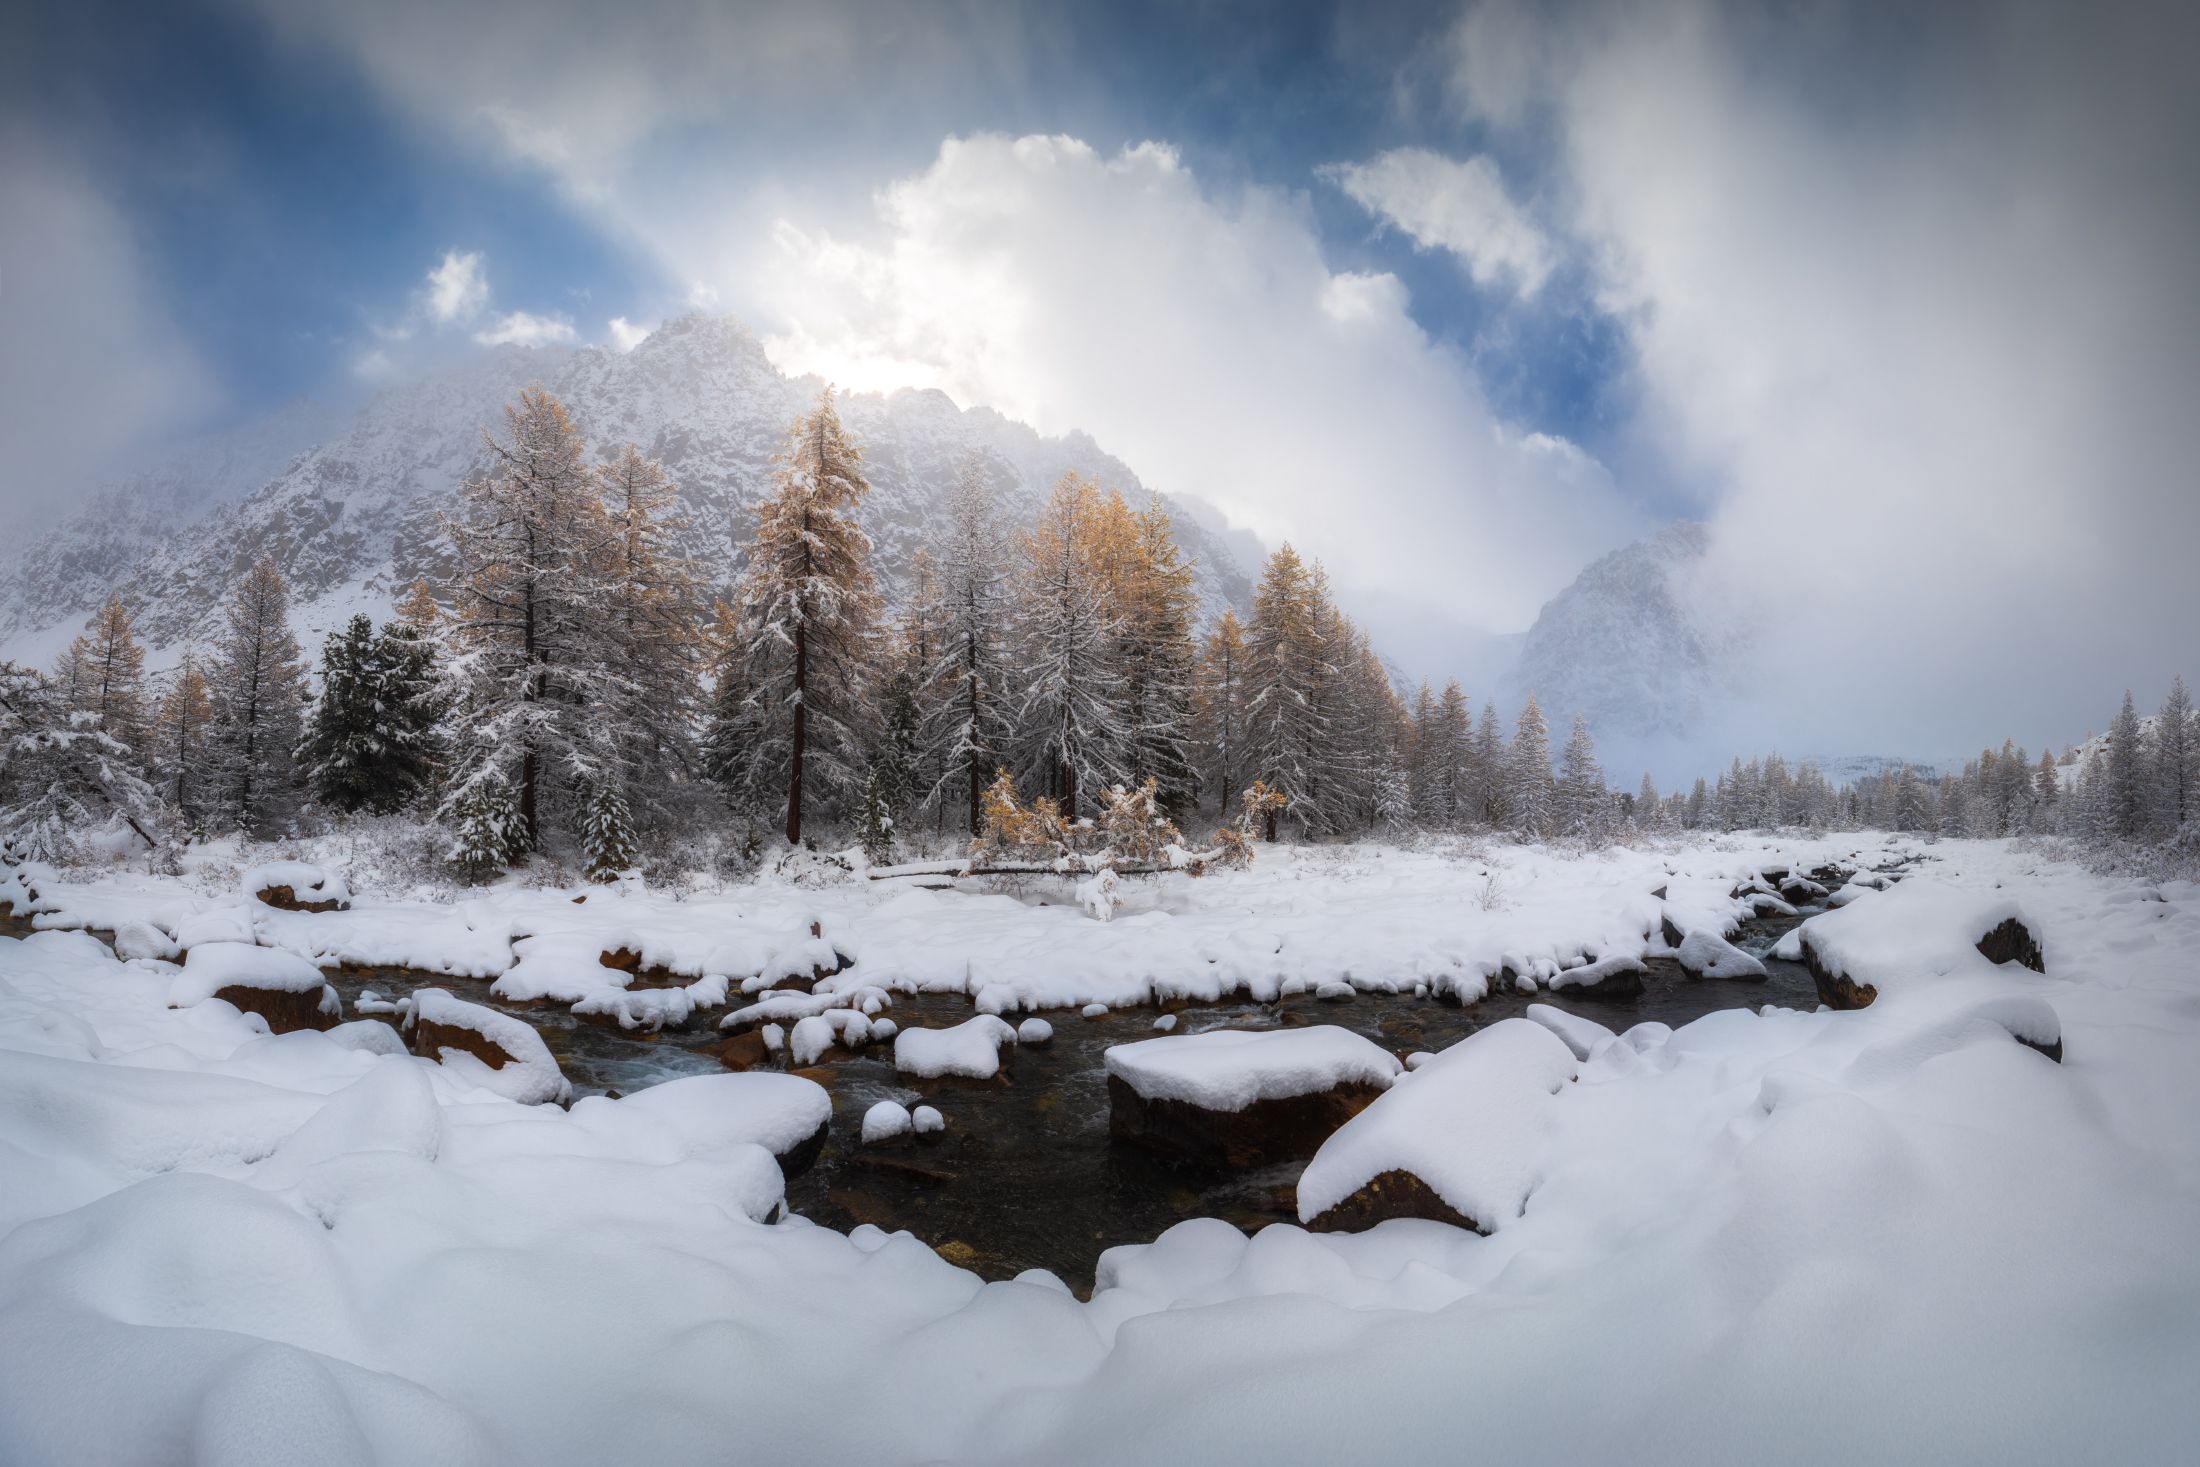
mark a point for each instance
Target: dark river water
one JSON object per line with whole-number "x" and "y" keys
{"x": 1025, "y": 1175}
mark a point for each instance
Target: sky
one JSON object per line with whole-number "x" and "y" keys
{"x": 1897, "y": 299}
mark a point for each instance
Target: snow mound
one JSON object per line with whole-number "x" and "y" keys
{"x": 1230, "y": 1069}
{"x": 884, "y": 1121}
{"x": 1705, "y": 954}
{"x": 1034, "y": 1031}
{"x": 296, "y": 886}
{"x": 220, "y": 924}
{"x": 216, "y": 965}
{"x": 1580, "y": 1035}
{"x": 1472, "y": 1127}
{"x": 485, "y": 1048}
{"x": 926, "y": 1120}
{"x": 971, "y": 1049}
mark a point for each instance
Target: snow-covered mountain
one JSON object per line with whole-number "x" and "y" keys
{"x": 349, "y": 509}
{"x": 1624, "y": 646}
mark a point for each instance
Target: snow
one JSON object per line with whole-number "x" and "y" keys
{"x": 530, "y": 1076}
{"x": 307, "y": 882}
{"x": 809, "y": 1041}
{"x": 926, "y": 1120}
{"x": 1588, "y": 975}
{"x": 218, "y": 1244}
{"x": 1230, "y": 1069}
{"x": 1473, "y": 1125}
{"x": 1580, "y": 1035}
{"x": 1705, "y": 954}
{"x": 1094, "y": 1011}
{"x": 884, "y": 1121}
{"x": 1165, "y": 1023}
{"x": 216, "y": 965}
{"x": 1034, "y": 1031}
{"x": 971, "y": 1049}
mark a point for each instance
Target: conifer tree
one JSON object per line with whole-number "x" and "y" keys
{"x": 1286, "y": 723}
{"x": 875, "y": 822}
{"x": 1581, "y": 792}
{"x": 1532, "y": 792}
{"x": 608, "y": 843}
{"x": 370, "y": 740}
{"x": 1422, "y": 783}
{"x": 258, "y": 686}
{"x": 1071, "y": 718}
{"x": 1649, "y": 808}
{"x": 106, "y": 667}
{"x": 2046, "y": 782}
{"x": 1458, "y": 800}
{"x": 61, "y": 774}
{"x": 1490, "y": 769}
{"x": 419, "y": 609}
{"x": 966, "y": 724}
{"x": 650, "y": 618}
{"x": 1156, "y": 651}
{"x": 2176, "y": 761}
{"x": 488, "y": 832}
{"x": 2123, "y": 810}
{"x": 533, "y": 667}
{"x": 790, "y": 723}
{"x": 1219, "y": 710}
{"x": 180, "y": 753}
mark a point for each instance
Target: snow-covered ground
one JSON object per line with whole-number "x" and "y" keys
{"x": 1894, "y": 1233}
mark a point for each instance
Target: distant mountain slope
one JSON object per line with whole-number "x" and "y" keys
{"x": 1622, "y": 645}
{"x": 351, "y": 511}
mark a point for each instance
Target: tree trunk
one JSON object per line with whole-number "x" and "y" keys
{"x": 529, "y": 773}
{"x": 977, "y": 761}
{"x": 801, "y": 730}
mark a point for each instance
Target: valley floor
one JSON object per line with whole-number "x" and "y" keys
{"x": 1892, "y": 1233}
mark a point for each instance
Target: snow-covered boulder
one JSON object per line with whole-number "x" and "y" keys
{"x": 219, "y": 924}
{"x": 1461, "y": 1143}
{"x": 1576, "y": 1033}
{"x": 281, "y": 987}
{"x": 971, "y": 1049}
{"x": 1913, "y": 933}
{"x": 1705, "y": 954}
{"x": 484, "y": 1047}
{"x": 885, "y": 1121}
{"x": 1034, "y": 1031}
{"x": 297, "y": 886}
{"x": 144, "y": 940}
{"x": 1615, "y": 977}
{"x": 1241, "y": 1098}
{"x": 2008, "y": 938}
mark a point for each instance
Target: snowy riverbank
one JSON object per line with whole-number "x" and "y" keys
{"x": 1888, "y": 1234}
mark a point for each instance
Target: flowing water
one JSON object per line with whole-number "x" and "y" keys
{"x": 1025, "y": 1175}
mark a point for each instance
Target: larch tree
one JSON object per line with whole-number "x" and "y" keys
{"x": 1531, "y": 790}
{"x": 1158, "y": 658}
{"x": 652, "y": 620}
{"x": 1452, "y": 759}
{"x": 106, "y": 668}
{"x": 967, "y": 714}
{"x": 258, "y": 686}
{"x": 1489, "y": 768}
{"x": 2176, "y": 761}
{"x": 793, "y": 690}
{"x": 1219, "y": 699}
{"x": 536, "y": 679}
{"x": 1071, "y": 717}
{"x": 1423, "y": 784}
{"x": 180, "y": 752}
{"x": 1287, "y": 725}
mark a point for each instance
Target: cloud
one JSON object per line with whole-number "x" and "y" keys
{"x": 1928, "y": 361}
{"x": 520, "y": 328}
{"x": 457, "y": 288}
{"x": 625, "y": 335}
{"x": 1445, "y": 204}
{"x": 1204, "y": 339}
{"x": 92, "y": 369}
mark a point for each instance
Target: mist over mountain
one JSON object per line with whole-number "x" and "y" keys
{"x": 349, "y": 506}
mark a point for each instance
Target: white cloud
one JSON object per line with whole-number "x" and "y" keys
{"x": 92, "y": 369}
{"x": 457, "y": 288}
{"x": 625, "y": 335}
{"x": 1445, "y": 204}
{"x": 1206, "y": 341}
{"x": 1929, "y": 363}
{"x": 521, "y": 328}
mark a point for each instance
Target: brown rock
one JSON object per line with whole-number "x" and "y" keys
{"x": 1836, "y": 990}
{"x": 1672, "y": 934}
{"x": 625, "y": 959}
{"x": 2013, "y": 942}
{"x": 284, "y": 1012}
{"x": 1265, "y": 1131}
{"x": 801, "y": 1156}
{"x": 1385, "y": 1196}
{"x": 283, "y": 899}
{"x": 430, "y": 1040}
{"x": 744, "y": 1051}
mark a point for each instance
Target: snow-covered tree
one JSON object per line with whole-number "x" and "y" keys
{"x": 106, "y": 668}
{"x": 966, "y": 713}
{"x": 608, "y": 843}
{"x": 1157, "y": 655}
{"x": 790, "y": 724}
{"x": 1491, "y": 774}
{"x": 1582, "y": 798}
{"x": 2121, "y": 806}
{"x": 1288, "y": 674}
{"x": 1071, "y": 721}
{"x": 61, "y": 774}
{"x": 2176, "y": 749}
{"x": 180, "y": 752}
{"x": 370, "y": 741}
{"x": 1219, "y": 710}
{"x": 258, "y": 683}
{"x": 1531, "y": 792}
{"x": 534, "y": 666}
{"x": 651, "y": 620}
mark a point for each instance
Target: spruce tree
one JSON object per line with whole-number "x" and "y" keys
{"x": 1071, "y": 718}
{"x": 1531, "y": 790}
{"x": 1287, "y": 726}
{"x": 61, "y": 776}
{"x": 2176, "y": 761}
{"x": 1490, "y": 775}
{"x": 1157, "y": 657}
{"x": 1457, "y": 798}
{"x": 608, "y": 843}
{"x": 1219, "y": 711}
{"x": 875, "y": 822}
{"x": 258, "y": 686}
{"x": 2123, "y": 810}
{"x": 966, "y": 714}
{"x": 370, "y": 741}
{"x": 789, "y": 727}
{"x": 1581, "y": 792}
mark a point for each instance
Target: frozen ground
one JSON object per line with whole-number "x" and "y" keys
{"x": 1893, "y": 1234}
